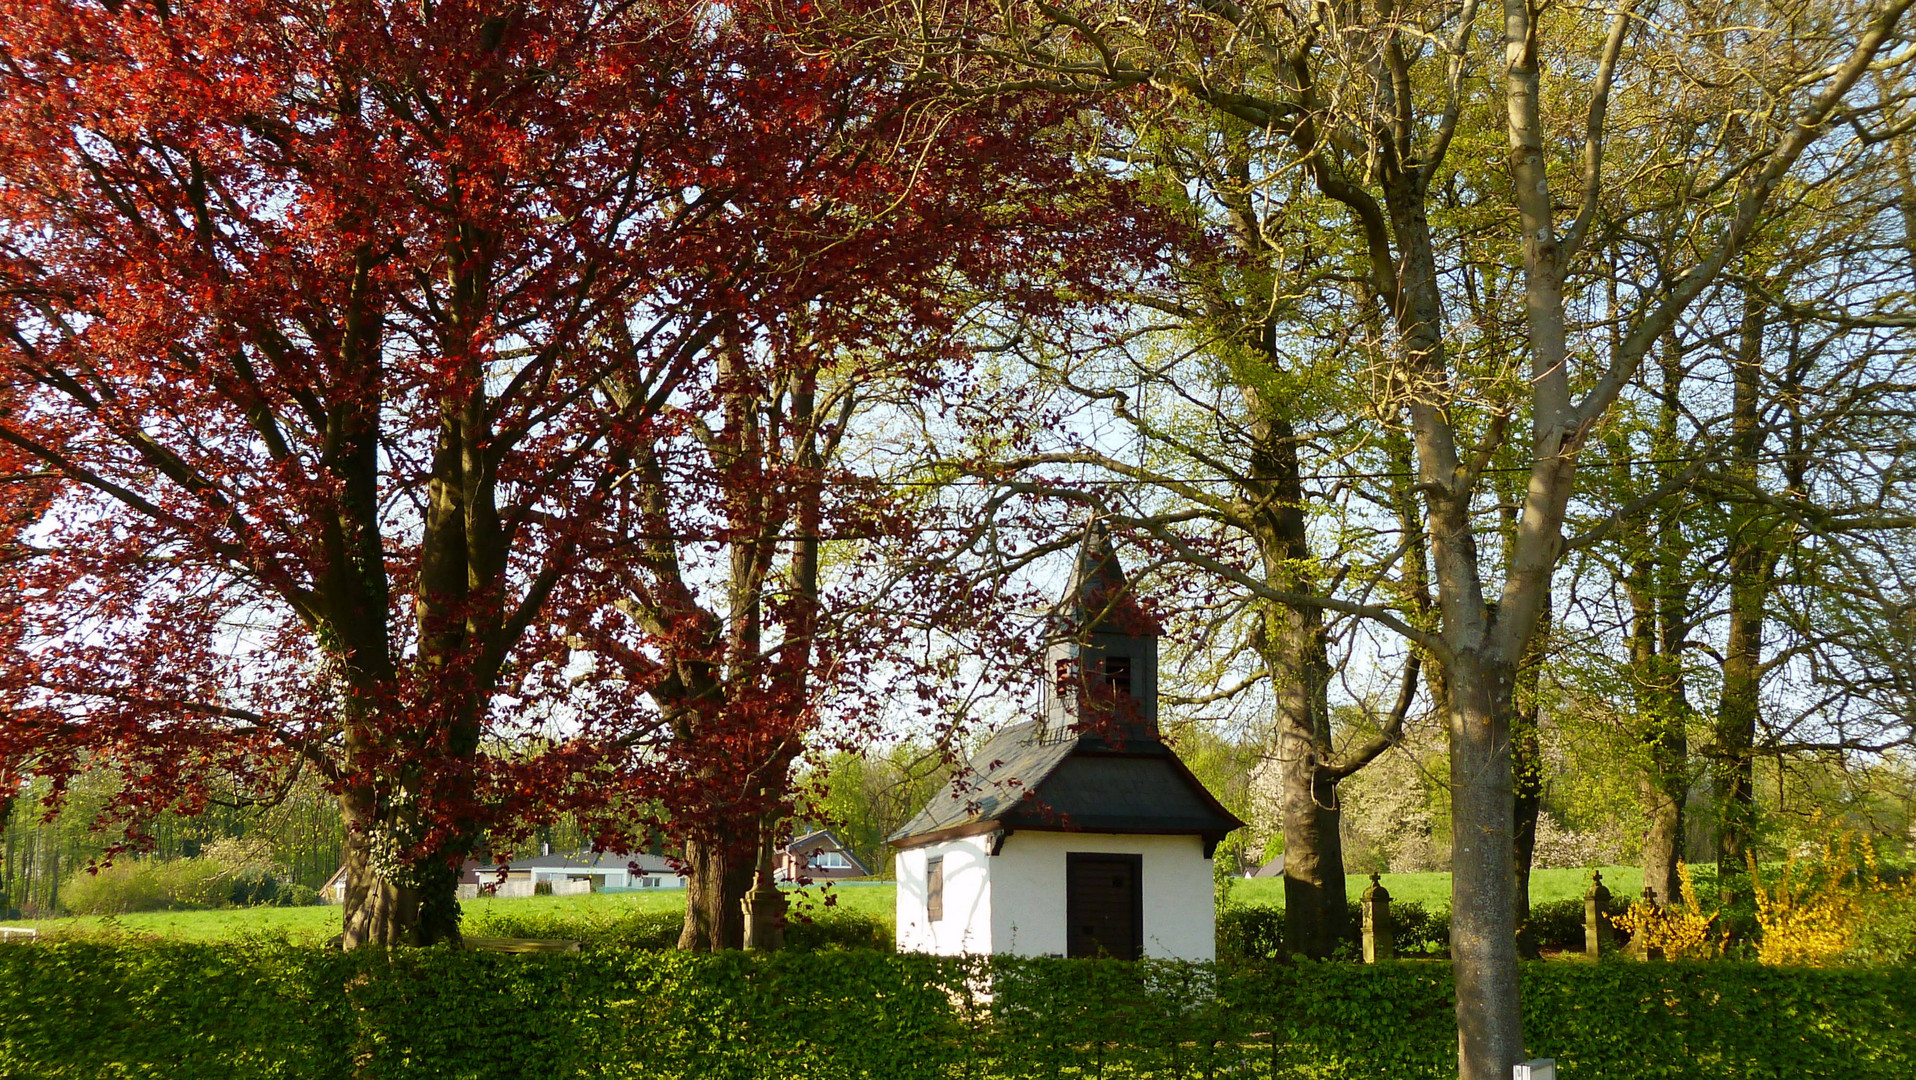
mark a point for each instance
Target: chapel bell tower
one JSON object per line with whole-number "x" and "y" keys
{"x": 1101, "y": 669}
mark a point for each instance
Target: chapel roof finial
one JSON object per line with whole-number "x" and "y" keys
{"x": 1099, "y": 597}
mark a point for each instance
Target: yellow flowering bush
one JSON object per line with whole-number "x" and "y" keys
{"x": 1677, "y": 931}
{"x": 1813, "y": 912}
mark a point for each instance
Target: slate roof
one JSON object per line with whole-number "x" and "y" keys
{"x": 1099, "y": 597}
{"x": 1024, "y": 779}
{"x": 1272, "y": 869}
{"x": 817, "y": 839}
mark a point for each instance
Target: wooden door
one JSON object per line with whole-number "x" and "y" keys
{"x": 1104, "y": 905}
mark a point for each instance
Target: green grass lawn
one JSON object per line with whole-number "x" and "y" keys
{"x": 1433, "y": 890}
{"x": 319, "y": 923}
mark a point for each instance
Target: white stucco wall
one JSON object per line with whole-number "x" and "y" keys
{"x": 1013, "y": 902}
{"x": 966, "y": 927}
{"x": 1027, "y": 918}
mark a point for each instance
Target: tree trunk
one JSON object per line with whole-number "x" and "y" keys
{"x": 1751, "y": 566}
{"x": 53, "y": 878}
{"x": 1527, "y": 772}
{"x": 8, "y": 901}
{"x": 1295, "y": 653}
{"x": 1314, "y": 892}
{"x": 1526, "y": 766}
{"x": 376, "y": 913}
{"x": 1665, "y": 783}
{"x": 1736, "y": 716}
{"x": 24, "y": 872}
{"x": 1663, "y": 843}
{"x": 1483, "y": 939}
{"x": 1526, "y": 752}
{"x": 1659, "y": 588}
{"x": 438, "y": 892}
{"x": 718, "y": 875}
{"x": 421, "y": 908}
{"x": 1479, "y": 664}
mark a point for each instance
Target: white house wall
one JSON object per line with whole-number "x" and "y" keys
{"x": 966, "y": 927}
{"x": 1013, "y": 902}
{"x": 1028, "y": 892}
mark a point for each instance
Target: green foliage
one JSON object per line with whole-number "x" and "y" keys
{"x": 627, "y": 928}
{"x": 260, "y": 1009}
{"x": 1225, "y": 767}
{"x": 1886, "y": 927}
{"x": 1433, "y": 889}
{"x": 568, "y": 916}
{"x": 230, "y": 873}
{"x": 1249, "y": 932}
{"x": 866, "y": 797}
{"x": 838, "y": 930}
{"x": 127, "y": 885}
{"x": 160, "y": 1009}
{"x": 1558, "y": 924}
{"x": 43, "y": 862}
{"x": 1417, "y": 929}
{"x": 631, "y": 928}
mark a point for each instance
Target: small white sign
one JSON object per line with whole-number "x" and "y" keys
{"x": 1540, "y": 1069}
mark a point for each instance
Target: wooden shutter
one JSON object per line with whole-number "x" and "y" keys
{"x": 935, "y": 888}
{"x": 1104, "y": 905}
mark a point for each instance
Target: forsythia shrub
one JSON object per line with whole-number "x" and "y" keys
{"x": 1676, "y": 931}
{"x": 1835, "y": 909}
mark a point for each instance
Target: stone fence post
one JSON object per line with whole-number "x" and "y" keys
{"x": 1597, "y": 933}
{"x": 1379, "y": 934}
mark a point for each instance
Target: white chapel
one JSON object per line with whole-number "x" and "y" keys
{"x": 1079, "y": 833}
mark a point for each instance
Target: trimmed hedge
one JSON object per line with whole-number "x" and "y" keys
{"x": 1256, "y": 931}
{"x": 90, "y": 1009}
{"x": 830, "y": 929}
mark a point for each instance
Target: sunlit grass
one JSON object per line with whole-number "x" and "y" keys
{"x": 875, "y": 899}
{"x": 1433, "y": 890}
{"x": 321, "y": 922}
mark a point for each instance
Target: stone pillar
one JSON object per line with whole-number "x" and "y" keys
{"x": 1597, "y": 935}
{"x": 765, "y": 915}
{"x": 1379, "y": 934}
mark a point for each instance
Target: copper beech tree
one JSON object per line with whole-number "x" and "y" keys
{"x": 352, "y": 357}
{"x": 772, "y": 560}
{"x": 309, "y": 307}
